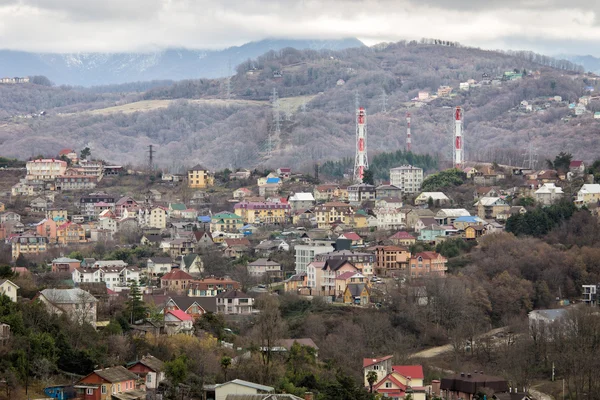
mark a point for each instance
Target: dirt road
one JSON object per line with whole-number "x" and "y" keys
{"x": 436, "y": 351}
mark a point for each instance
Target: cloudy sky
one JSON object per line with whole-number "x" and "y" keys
{"x": 548, "y": 26}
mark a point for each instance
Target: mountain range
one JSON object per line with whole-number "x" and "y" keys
{"x": 590, "y": 63}
{"x": 89, "y": 69}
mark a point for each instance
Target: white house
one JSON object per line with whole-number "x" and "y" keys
{"x": 301, "y": 201}
{"x": 446, "y": 216}
{"x": 8, "y": 289}
{"x": 437, "y": 197}
{"x": 234, "y": 302}
{"x": 390, "y": 218}
{"x": 77, "y": 304}
{"x": 588, "y": 194}
{"x": 158, "y": 265}
{"x": 263, "y": 266}
{"x": 548, "y": 193}
{"x": 238, "y": 386}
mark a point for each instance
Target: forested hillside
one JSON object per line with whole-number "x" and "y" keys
{"x": 316, "y": 110}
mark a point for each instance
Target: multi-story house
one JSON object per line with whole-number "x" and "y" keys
{"x": 199, "y": 177}
{"x": 331, "y": 270}
{"x": 57, "y": 214}
{"x": 395, "y": 381}
{"x": 9, "y": 216}
{"x": 153, "y": 217}
{"x": 333, "y": 212}
{"x": 305, "y": 253}
{"x": 447, "y": 216}
{"x": 114, "y": 276}
{"x": 234, "y": 302}
{"x": 548, "y": 193}
{"x": 326, "y": 192}
{"x": 259, "y": 212}
{"x": 403, "y": 238}
{"x": 70, "y": 233}
{"x": 265, "y": 268}
{"x": 150, "y": 369}
{"x": 301, "y": 201}
{"x": 590, "y": 294}
{"x": 109, "y": 383}
{"x": 428, "y": 263}
{"x": 588, "y": 194}
{"x": 407, "y": 178}
{"x": 8, "y": 289}
{"x": 313, "y": 276}
{"x": 88, "y": 202}
{"x": 47, "y": 227}
{"x": 64, "y": 264}
{"x": 158, "y": 266}
{"x": 390, "y": 260}
{"x": 126, "y": 206}
{"x": 74, "y": 182}
{"x": 364, "y": 262}
{"x": 78, "y": 305}
{"x": 490, "y": 207}
{"x": 176, "y": 281}
{"x": 437, "y": 198}
{"x": 388, "y": 191}
{"x": 361, "y": 192}
{"x": 390, "y": 218}
{"x": 45, "y": 169}
{"x": 226, "y": 222}
{"x": 211, "y": 287}
{"x": 28, "y": 244}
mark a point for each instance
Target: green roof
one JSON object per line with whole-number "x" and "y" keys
{"x": 362, "y": 212}
{"x": 177, "y": 206}
{"x": 226, "y": 215}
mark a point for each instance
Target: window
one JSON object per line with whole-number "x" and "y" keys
{"x": 376, "y": 367}
{"x": 89, "y": 391}
{"x": 119, "y": 387}
{"x": 149, "y": 378}
{"x": 388, "y": 384}
{"x": 103, "y": 390}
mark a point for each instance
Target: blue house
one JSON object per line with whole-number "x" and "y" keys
{"x": 273, "y": 180}
{"x": 430, "y": 233}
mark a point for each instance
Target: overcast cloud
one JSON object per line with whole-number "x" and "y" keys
{"x": 547, "y": 26}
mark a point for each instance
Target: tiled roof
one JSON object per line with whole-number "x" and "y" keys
{"x": 233, "y": 294}
{"x": 428, "y": 255}
{"x": 402, "y": 235}
{"x": 351, "y": 236}
{"x": 409, "y": 371}
{"x": 177, "y": 274}
{"x": 367, "y": 362}
{"x": 153, "y": 363}
{"x": 116, "y": 374}
{"x": 180, "y": 315}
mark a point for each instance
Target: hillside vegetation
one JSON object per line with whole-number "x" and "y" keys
{"x": 317, "y": 114}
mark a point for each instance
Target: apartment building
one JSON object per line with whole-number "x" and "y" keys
{"x": 407, "y": 177}
{"x": 45, "y": 169}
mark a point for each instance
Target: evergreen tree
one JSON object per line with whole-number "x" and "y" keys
{"x": 135, "y": 307}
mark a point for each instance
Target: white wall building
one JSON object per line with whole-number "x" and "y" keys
{"x": 305, "y": 253}
{"x": 548, "y": 194}
{"x": 407, "y": 177}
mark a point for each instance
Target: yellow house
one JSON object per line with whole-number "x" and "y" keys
{"x": 28, "y": 244}
{"x": 332, "y": 212}
{"x": 259, "y": 212}
{"x": 294, "y": 283}
{"x": 226, "y": 222}
{"x": 474, "y": 231}
{"x": 359, "y": 220}
{"x": 396, "y": 383}
{"x": 357, "y": 294}
{"x": 2, "y": 207}
{"x": 70, "y": 233}
{"x": 588, "y": 194}
{"x": 199, "y": 177}
{"x": 55, "y": 214}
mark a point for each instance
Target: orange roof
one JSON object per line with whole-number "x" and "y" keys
{"x": 429, "y": 255}
{"x": 367, "y": 362}
{"x": 177, "y": 274}
{"x": 180, "y": 315}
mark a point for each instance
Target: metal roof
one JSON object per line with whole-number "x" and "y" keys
{"x": 247, "y": 384}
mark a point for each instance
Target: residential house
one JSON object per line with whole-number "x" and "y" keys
{"x": 152, "y": 240}
{"x": 70, "y": 233}
{"x": 326, "y": 192}
{"x": 414, "y": 215}
{"x": 198, "y": 177}
{"x": 45, "y": 169}
{"x": 77, "y": 304}
{"x": 241, "y": 193}
{"x": 156, "y": 266}
{"x": 545, "y": 317}
{"x": 295, "y": 283}
{"x": 9, "y": 289}
{"x": 259, "y": 212}
{"x": 109, "y": 383}
{"x": 158, "y": 218}
{"x": 588, "y": 194}
{"x": 486, "y": 191}
{"x": 47, "y": 227}
{"x": 284, "y": 172}
{"x": 423, "y": 223}
{"x": 9, "y": 216}
{"x": 363, "y": 261}
{"x": 408, "y": 178}
{"x": 180, "y": 247}
{"x": 305, "y": 253}
{"x": 234, "y": 302}
{"x": 428, "y": 263}
{"x": 226, "y": 222}
{"x": 590, "y": 294}
{"x": 126, "y": 206}
{"x": 466, "y": 386}
{"x": 577, "y": 167}
{"x": 402, "y": 238}
{"x": 235, "y": 248}
{"x": 38, "y": 204}
{"x": 389, "y": 202}
{"x": 267, "y": 247}
{"x": 447, "y": 216}
{"x": 387, "y": 191}
{"x": 342, "y": 281}
{"x": 390, "y": 260}
{"x": 333, "y": 212}
{"x": 395, "y": 381}
{"x": 150, "y": 370}
{"x": 265, "y": 268}
{"x": 176, "y": 209}
{"x": 176, "y": 281}
{"x": 240, "y": 174}
{"x": 461, "y": 223}
{"x": 514, "y": 210}
{"x": 357, "y": 294}
{"x": 301, "y": 201}
{"x": 490, "y": 207}
{"x": 203, "y": 238}
{"x": 390, "y": 218}
{"x": 361, "y": 192}
{"x": 65, "y": 265}
{"x": 548, "y": 193}
{"x": 4, "y": 334}
{"x": 474, "y": 232}
{"x": 28, "y": 243}
{"x": 269, "y": 186}
{"x": 178, "y": 322}
{"x": 331, "y": 270}
{"x": 72, "y": 181}
{"x": 225, "y": 390}
{"x": 211, "y": 287}
{"x": 431, "y": 233}
{"x": 87, "y": 203}
{"x": 192, "y": 264}
{"x": 437, "y": 198}
{"x": 355, "y": 239}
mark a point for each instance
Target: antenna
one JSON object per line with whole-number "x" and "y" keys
{"x": 383, "y": 100}
{"x": 361, "y": 163}
{"x": 408, "y": 139}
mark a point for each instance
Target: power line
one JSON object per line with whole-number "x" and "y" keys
{"x": 383, "y": 100}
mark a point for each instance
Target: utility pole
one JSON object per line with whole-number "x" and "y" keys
{"x": 276, "y": 129}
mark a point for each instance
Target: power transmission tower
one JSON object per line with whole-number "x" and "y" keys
{"x": 150, "y": 157}
{"x": 383, "y": 100}
{"x": 356, "y": 100}
{"x": 530, "y": 158}
{"x": 276, "y": 129}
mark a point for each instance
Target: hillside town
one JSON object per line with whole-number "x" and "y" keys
{"x": 190, "y": 247}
